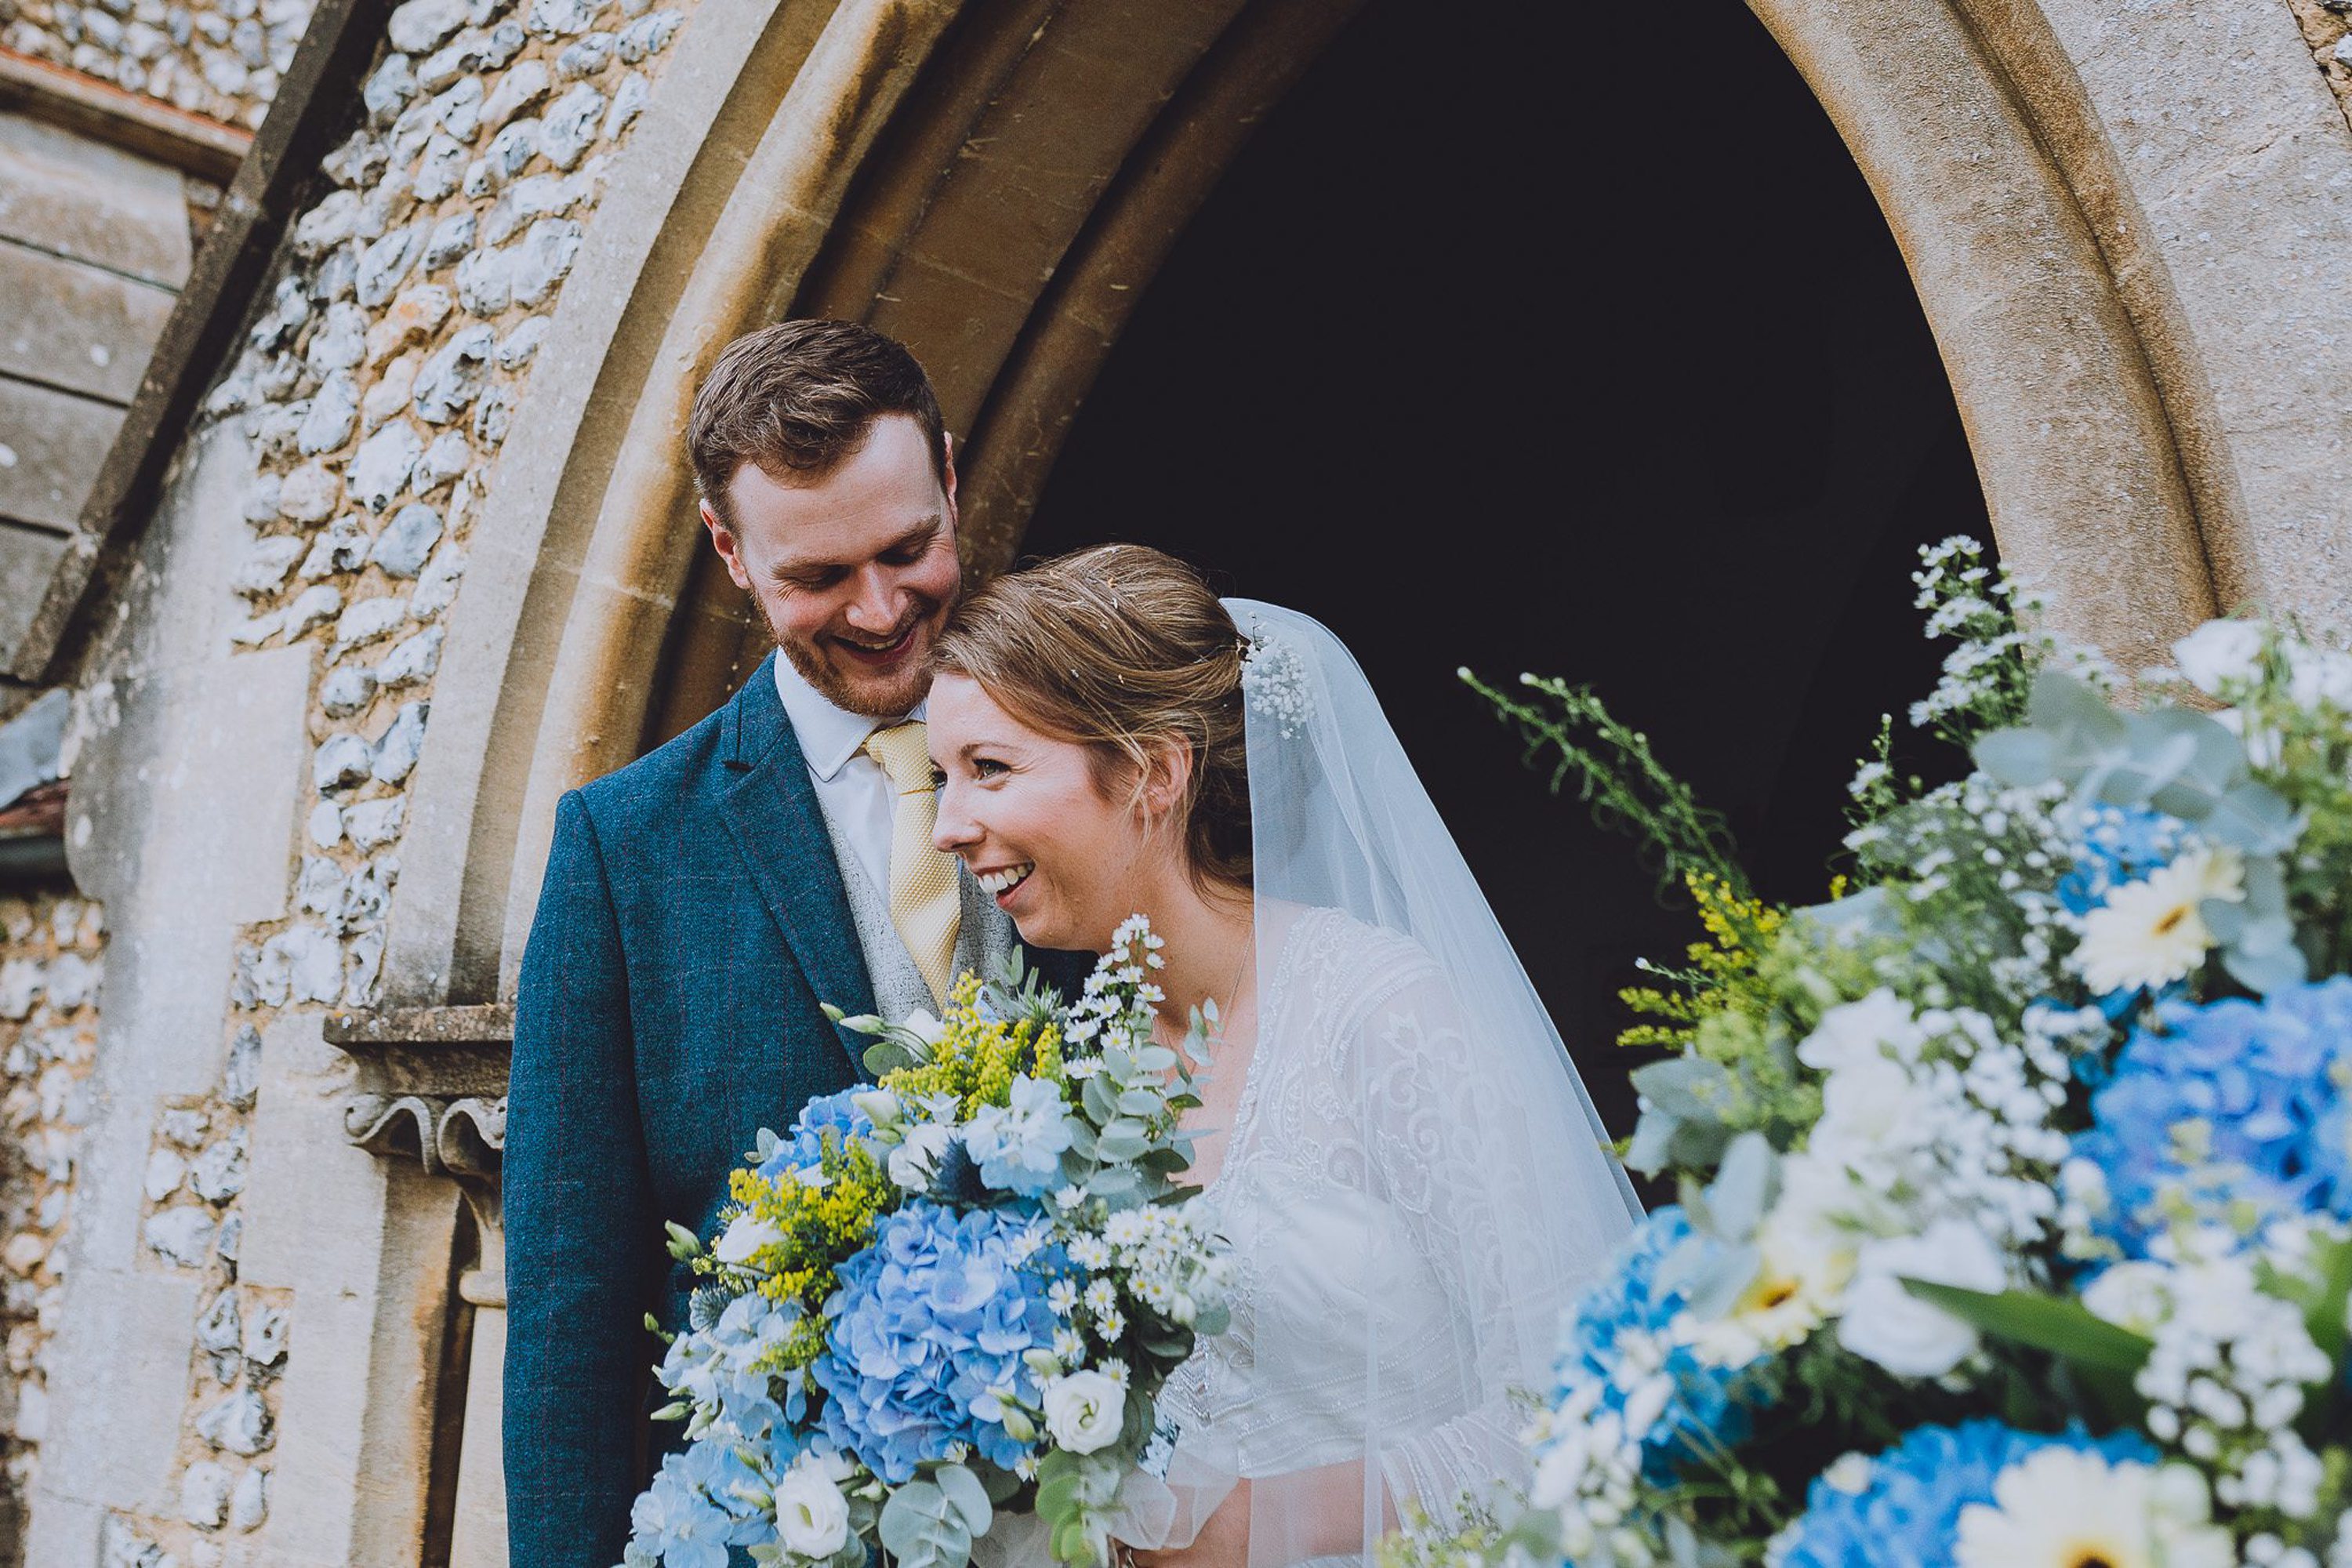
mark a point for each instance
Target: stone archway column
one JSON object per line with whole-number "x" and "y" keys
{"x": 2074, "y": 442}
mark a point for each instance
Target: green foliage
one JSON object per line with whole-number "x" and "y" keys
{"x": 1619, "y": 779}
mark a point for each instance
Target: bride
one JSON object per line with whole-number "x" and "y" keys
{"x": 1393, "y": 1140}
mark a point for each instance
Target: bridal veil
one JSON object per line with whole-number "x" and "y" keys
{"x": 1416, "y": 1185}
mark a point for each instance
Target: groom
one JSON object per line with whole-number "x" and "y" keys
{"x": 703, "y": 901}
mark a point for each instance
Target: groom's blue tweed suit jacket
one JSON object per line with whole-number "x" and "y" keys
{"x": 692, "y": 919}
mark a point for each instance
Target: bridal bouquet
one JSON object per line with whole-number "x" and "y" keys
{"x": 2014, "y": 1182}
{"x": 949, "y": 1297}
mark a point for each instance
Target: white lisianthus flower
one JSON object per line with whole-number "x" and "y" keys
{"x": 2063, "y": 1506}
{"x": 925, "y": 1028}
{"x": 2318, "y": 675}
{"x": 746, "y": 1235}
{"x": 880, "y": 1106}
{"x": 1084, "y": 1410}
{"x": 1862, "y": 1031}
{"x": 2135, "y": 1295}
{"x": 2220, "y": 654}
{"x": 1868, "y": 1106}
{"x": 812, "y": 1516}
{"x": 1885, "y": 1323}
{"x": 916, "y": 1158}
{"x": 2150, "y": 932}
{"x": 2263, "y": 744}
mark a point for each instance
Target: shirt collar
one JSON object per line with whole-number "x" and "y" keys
{"x": 829, "y": 736}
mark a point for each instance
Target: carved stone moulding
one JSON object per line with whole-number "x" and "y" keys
{"x": 432, "y": 1088}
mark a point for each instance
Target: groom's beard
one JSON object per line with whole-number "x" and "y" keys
{"x": 873, "y": 694}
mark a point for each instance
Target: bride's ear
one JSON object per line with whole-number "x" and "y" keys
{"x": 1167, "y": 777}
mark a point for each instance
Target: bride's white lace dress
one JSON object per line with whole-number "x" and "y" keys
{"x": 1376, "y": 1336}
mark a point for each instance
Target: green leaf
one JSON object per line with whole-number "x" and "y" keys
{"x": 1143, "y": 1102}
{"x": 2019, "y": 758}
{"x": 1688, "y": 1087}
{"x": 1123, "y": 1140}
{"x": 1744, "y": 1187}
{"x": 1057, "y": 1499}
{"x": 920, "y": 1528}
{"x": 1099, "y": 1101}
{"x": 966, "y": 1496}
{"x": 884, "y": 1057}
{"x": 2065, "y": 1328}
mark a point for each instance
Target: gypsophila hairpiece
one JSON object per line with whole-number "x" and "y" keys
{"x": 1274, "y": 679}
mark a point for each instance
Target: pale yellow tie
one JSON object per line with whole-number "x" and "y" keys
{"x": 924, "y": 905}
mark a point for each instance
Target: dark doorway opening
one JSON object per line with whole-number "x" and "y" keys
{"x": 1567, "y": 340}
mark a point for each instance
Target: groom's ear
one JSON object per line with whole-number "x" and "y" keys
{"x": 722, "y": 539}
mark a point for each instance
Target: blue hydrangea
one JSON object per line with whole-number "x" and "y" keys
{"x": 1905, "y": 1513}
{"x": 1631, "y": 1300}
{"x": 1019, "y": 1146}
{"x": 2116, "y": 844}
{"x": 823, "y": 1114}
{"x": 927, "y": 1321}
{"x": 2265, "y": 1081}
{"x": 692, "y": 1513}
{"x": 721, "y": 1369}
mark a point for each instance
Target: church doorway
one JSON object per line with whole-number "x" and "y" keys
{"x": 1568, "y": 340}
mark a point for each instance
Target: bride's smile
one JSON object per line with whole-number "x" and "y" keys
{"x": 1063, "y": 849}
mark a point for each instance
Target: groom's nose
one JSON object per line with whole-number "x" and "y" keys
{"x": 874, "y": 604}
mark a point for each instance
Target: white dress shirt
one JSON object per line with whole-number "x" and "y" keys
{"x": 850, "y": 786}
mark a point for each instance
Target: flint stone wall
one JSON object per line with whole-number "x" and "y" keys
{"x": 317, "y": 535}
{"x": 219, "y": 58}
{"x": 52, "y": 961}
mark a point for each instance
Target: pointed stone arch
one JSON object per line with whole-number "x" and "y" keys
{"x": 995, "y": 184}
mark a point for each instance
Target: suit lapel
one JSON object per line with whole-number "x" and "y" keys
{"x": 772, "y": 810}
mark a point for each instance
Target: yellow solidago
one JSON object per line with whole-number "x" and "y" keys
{"x": 819, "y": 1228}
{"x": 975, "y": 1058}
{"x": 1723, "y": 973}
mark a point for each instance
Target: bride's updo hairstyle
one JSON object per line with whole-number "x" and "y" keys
{"x": 1125, "y": 651}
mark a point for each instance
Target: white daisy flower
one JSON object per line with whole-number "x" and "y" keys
{"x": 2150, "y": 932}
{"x": 2063, "y": 1507}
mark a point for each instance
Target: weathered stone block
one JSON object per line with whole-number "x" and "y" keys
{"x": 407, "y": 539}
{"x": 379, "y": 471}
{"x": 347, "y": 690}
{"x": 419, "y": 25}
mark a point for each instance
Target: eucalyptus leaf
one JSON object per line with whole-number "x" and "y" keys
{"x": 965, "y": 1494}
{"x": 1715, "y": 1285}
{"x": 1689, "y": 1088}
{"x": 1653, "y": 1136}
{"x": 2071, "y": 710}
{"x": 1745, "y": 1187}
{"x": 921, "y": 1528}
{"x": 2020, "y": 758}
{"x": 887, "y": 1056}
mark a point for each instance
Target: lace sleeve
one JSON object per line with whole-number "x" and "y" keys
{"x": 1450, "y": 1150}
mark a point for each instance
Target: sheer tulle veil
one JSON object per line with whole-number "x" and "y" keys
{"x": 1417, "y": 1183}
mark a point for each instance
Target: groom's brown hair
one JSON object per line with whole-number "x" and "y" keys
{"x": 797, "y": 398}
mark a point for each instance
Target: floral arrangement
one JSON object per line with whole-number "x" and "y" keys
{"x": 949, "y": 1297}
{"x": 2014, "y": 1181}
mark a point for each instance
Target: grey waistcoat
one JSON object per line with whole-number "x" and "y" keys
{"x": 984, "y": 934}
